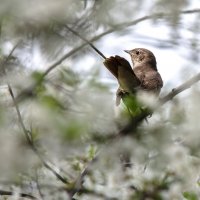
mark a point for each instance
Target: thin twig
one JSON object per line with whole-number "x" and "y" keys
{"x": 79, "y": 180}
{"x": 31, "y": 144}
{"x": 28, "y": 133}
{"x": 9, "y": 193}
{"x": 5, "y": 60}
{"x": 38, "y": 186}
{"x": 85, "y": 40}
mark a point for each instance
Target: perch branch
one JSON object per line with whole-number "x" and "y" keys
{"x": 135, "y": 121}
{"x": 180, "y": 89}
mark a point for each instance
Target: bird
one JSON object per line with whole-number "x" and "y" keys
{"x": 143, "y": 76}
{"x": 145, "y": 68}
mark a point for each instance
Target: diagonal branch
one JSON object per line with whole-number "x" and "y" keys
{"x": 80, "y": 178}
{"x": 87, "y": 41}
{"x": 9, "y": 193}
{"x": 28, "y": 133}
{"x": 135, "y": 121}
{"x": 30, "y": 142}
{"x": 180, "y": 89}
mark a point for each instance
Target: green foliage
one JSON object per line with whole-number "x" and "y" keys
{"x": 132, "y": 104}
{"x": 190, "y": 196}
{"x": 92, "y": 150}
{"x": 73, "y": 130}
{"x": 51, "y": 102}
{"x": 69, "y": 77}
{"x": 37, "y": 76}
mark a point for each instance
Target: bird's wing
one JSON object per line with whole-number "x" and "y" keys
{"x": 122, "y": 61}
{"x": 152, "y": 81}
{"x": 112, "y": 65}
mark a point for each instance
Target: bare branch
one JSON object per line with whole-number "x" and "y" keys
{"x": 88, "y": 42}
{"x": 30, "y": 142}
{"x": 9, "y": 193}
{"x": 135, "y": 121}
{"x": 28, "y": 133}
{"x": 180, "y": 89}
{"x": 5, "y": 60}
{"x": 80, "y": 178}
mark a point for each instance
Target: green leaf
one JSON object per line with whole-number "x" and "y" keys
{"x": 77, "y": 166}
{"x": 37, "y": 76}
{"x": 73, "y": 130}
{"x": 190, "y": 196}
{"x": 132, "y": 104}
{"x": 92, "y": 151}
{"x": 69, "y": 77}
{"x": 51, "y": 102}
{"x": 95, "y": 83}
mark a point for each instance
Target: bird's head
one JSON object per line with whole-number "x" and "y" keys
{"x": 142, "y": 56}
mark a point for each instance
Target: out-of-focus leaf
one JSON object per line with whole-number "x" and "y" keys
{"x": 69, "y": 77}
{"x": 92, "y": 151}
{"x": 73, "y": 130}
{"x": 51, "y": 102}
{"x": 77, "y": 166}
{"x": 133, "y": 105}
{"x": 190, "y": 196}
{"x": 37, "y": 76}
{"x": 94, "y": 83}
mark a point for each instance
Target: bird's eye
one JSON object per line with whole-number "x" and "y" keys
{"x": 137, "y": 52}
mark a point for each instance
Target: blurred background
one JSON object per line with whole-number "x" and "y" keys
{"x": 66, "y": 100}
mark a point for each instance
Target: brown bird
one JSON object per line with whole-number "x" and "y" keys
{"x": 145, "y": 68}
{"x": 143, "y": 76}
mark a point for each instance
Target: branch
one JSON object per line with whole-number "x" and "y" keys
{"x": 79, "y": 180}
{"x": 180, "y": 89}
{"x": 9, "y": 193}
{"x": 87, "y": 41}
{"x": 30, "y": 142}
{"x": 28, "y": 133}
{"x": 135, "y": 121}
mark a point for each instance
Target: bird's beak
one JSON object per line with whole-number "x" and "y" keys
{"x": 127, "y": 51}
